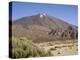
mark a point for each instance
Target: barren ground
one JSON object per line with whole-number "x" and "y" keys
{"x": 58, "y": 48}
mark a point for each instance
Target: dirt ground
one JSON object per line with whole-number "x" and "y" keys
{"x": 59, "y": 48}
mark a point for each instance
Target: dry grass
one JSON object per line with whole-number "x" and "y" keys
{"x": 22, "y": 47}
{"x": 52, "y": 49}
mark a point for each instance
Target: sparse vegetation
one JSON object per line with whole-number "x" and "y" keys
{"x": 59, "y": 53}
{"x": 77, "y": 49}
{"x": 25, "y": 48}
{"x": 50, "y": 44}
{"x": 52, "y": 49}
{"x": 57, "y": 46}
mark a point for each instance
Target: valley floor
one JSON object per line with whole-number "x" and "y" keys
{"x": 24, "y": 48}
{"x": 58, "y": 48}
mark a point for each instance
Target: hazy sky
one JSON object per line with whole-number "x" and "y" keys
{"x": 68, "y": 13}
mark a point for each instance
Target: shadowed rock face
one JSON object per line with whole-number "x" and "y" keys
{"x": 42, "y": 27}
{"x": 69, "y": 33}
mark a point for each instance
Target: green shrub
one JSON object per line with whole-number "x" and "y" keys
{"x": 52, "y": 49}
{"x": 58, "y": 53}
{"x": 22, "y": 47}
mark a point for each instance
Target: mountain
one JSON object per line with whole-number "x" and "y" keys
{"x": 41, "y": 27}
{"x": 41, "y": 20}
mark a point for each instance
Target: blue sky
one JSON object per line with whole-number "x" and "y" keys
{"x": 68, "y": 13}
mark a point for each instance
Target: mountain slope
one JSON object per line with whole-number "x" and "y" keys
{"x": 41, "y": 20}
{"x": 37, "y": 27}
